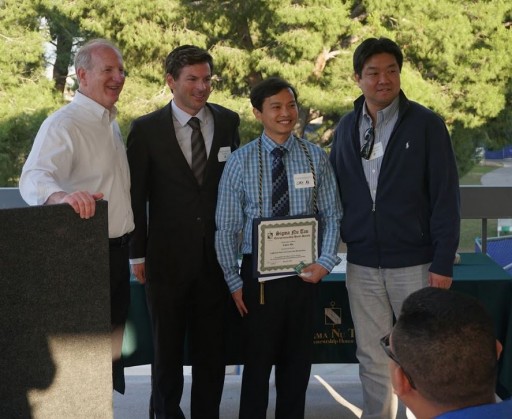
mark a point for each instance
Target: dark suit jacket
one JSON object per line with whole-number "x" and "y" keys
{"x": 181, "y": 212}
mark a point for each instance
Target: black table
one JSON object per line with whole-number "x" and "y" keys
{"x": 334, "y": 336}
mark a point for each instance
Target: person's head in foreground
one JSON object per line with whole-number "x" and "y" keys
{"x": 444, "y": 353}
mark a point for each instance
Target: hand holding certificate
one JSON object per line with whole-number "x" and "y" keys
{"x": 280, "y": 244}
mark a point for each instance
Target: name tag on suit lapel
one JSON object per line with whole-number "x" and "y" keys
{"x": 224, "y": 153}
{"x": 378, "y": 151}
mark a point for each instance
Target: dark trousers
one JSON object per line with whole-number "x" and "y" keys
{"x": 191, "y": 309}
{"x": 119, "y": 303}
{"x": 280, "y": 333}
{"x": 119, "y": 282}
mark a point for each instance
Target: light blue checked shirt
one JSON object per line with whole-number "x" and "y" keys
{"x": 238, "y": 204}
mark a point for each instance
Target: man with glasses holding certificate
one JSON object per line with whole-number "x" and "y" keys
{"x": 398, "y": 182}
{"x": 280, "y": 193}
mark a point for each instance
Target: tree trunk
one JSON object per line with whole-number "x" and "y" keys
{"x": 303, "y": 121}
{"x": 62, "y": 60}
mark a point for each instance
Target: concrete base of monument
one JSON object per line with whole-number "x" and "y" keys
{"x": 334, "y": 392}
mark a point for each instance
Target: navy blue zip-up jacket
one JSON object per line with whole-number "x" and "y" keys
{"x": 416, "y": 217}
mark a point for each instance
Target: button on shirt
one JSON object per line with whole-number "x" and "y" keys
{"x": 80, "y": 148}
{"x": 238, "y": 201}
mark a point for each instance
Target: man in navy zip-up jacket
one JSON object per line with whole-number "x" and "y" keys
{"x": 398, "y": 182}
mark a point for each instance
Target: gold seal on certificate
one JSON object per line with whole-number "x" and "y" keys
{"x": 280, "y": 244}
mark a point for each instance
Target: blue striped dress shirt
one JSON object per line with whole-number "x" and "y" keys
{"x": 238, "y": 201}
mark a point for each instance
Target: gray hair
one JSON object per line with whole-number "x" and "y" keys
{"x": 83, "y": 57}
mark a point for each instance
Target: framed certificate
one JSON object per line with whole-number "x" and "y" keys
{"x": 280, "y": 244}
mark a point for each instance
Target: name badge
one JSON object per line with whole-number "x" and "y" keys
{"x": 304, "y": 180}
{"x": 378, "y": 151}
{"x": 224, "y": 153}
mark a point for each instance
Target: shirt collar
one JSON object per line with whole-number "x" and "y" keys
{"x": 94, "y": 107}
{"x": 269, "y": 144}
{"x": 384, "y": 115}
{"x": 183, "y": 117}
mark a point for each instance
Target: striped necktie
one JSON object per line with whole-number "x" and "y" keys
{"x": 280, "y": 195}
{"x": 198, "y": 150}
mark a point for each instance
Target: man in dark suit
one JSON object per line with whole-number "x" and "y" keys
{"x": 177, "y": 155}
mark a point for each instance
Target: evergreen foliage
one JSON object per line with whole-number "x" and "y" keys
{"x": 458, "y": 59}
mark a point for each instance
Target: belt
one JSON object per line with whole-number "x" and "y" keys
{"x": 120, "y": 241}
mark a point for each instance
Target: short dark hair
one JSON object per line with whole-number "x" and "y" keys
{"x": 186, "y": 55}
{"x": 269, "y": 87}
{"x": 445, "y": 340}
{"x": 372, "y": 46}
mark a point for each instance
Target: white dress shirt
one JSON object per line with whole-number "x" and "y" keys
{"x": 80, "y": 148}
{"x": 184, "y": 131}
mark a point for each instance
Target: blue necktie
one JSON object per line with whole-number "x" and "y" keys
{"x": 198, "y": 149}
{"x": 280, "y": 196}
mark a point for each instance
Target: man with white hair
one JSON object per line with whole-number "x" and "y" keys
{"x": 78, "y": 157}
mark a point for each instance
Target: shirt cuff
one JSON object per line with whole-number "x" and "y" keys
{"x": 329, "y": 262}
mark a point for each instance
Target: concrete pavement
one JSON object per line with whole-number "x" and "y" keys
{"x": 502, "y": 176}
{"x": 334, "y": 392}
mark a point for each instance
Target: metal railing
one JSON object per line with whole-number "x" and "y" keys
{"x": 11, "y": 198}
{"x": 485, "y": 202}
{"x": 477, "y": 202}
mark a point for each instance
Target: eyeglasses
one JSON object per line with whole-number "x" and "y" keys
{"x": 369, "y": 141}
{"x": 384, "y": 342}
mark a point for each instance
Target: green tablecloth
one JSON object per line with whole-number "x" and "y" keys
{"x": 334, "y": 336}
